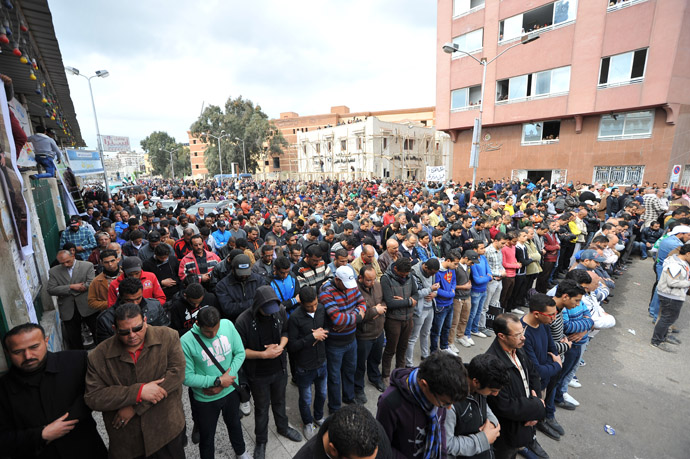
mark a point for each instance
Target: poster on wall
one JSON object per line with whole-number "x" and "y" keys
{"x": 26, "y": 156}
{"x": 11, "y": 183}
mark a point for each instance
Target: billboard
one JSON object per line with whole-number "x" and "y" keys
{"x": 84, "y": 162}
{"x": 115, "y": 143}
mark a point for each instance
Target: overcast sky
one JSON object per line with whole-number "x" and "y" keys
{"x": 168, "y": 58}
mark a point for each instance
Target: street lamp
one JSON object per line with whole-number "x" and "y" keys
{"x": 99, "y": 74}
{"x": 220, "y": 159}
{"x": 451, "y": 48}
{"x": 244, "y": 155}
{"x": 172, "y": 163}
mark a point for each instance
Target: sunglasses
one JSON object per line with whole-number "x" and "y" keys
{"x": 136, "y": 329}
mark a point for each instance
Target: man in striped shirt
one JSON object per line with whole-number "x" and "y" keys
{"x": 345, "y": 308}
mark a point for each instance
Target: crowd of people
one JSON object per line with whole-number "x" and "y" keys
{"x": 333, "y": 285}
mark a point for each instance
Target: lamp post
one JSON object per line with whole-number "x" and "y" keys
{"x": 220, "y": 159}
{"x": 172, "y": 163}
{"x": 451, "y": 48}
{"x": 99, "y": 74}
{"x": 244, "y": 155}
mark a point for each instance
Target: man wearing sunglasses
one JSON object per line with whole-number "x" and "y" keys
{"x": 135, "y": 378}
{"x": 542, "y": 350}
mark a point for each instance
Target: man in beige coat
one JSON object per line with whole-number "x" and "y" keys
{"x": 69, "y": 282}
{"x": 135, "y": 378}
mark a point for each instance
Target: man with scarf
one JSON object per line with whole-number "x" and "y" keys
{"x": 413, "y": 408}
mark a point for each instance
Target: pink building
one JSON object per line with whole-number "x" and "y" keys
{"x": 601, "y": 96}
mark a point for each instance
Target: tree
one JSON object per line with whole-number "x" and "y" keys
{"x": 240, "y": 120}
{"x": 156, "y": 144}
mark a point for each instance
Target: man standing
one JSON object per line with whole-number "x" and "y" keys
{"x": 370, "y": 336}
{"x": 42, "y": 400}
{"x": 679, "y": 235}
{"x": 652, "y": 207}
{"x": 165, "y": 267}
{"x": 264, "y": 265}
{"x": 80, "y": 237}
{"x": 391, "y": 254}
{"x": 345, "y": 308}
{"x": 443, "y": 313}
{"x": 307, "y": 347}
{"x": 367, "y": 258}
{"x": 69, "y": 282}
{"x": 236, "y": 290}
{"x": 672, "y": 288}
{"x": 132, "y": 267}
{"x": 312, "y": 270}
{"x": 212, "y": 341}
{"x": 424, "y": 275}
{"x": 413, "y": 408}
{"x": 221, "y": 237}
{"x": 264, "y": 332}
{"x": 135, "y": 378}
{"x": 517, "y": 406}
{"x": 399, "y": 292}
{"x": 98, "y": 290}
{"x": 200, "y": 262}
{"x": 46, "y": 151}
{"x": 462, "y": 303}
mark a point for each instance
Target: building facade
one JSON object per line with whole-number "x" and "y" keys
{"x": 124, "y": 164}
{"x": 291, "y": 124}
{"x": 197, "y": 148}
{"x": 371, "y": 148}
{"x": 600, "y": 97}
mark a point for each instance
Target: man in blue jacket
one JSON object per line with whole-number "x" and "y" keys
{"x": 443, "y": 312}
{"x": 481, "y": 276}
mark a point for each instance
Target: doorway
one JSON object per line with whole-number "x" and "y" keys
{"x": 535, "y": 176}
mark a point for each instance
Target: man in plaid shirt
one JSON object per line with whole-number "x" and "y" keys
{"x": 79, "y": 236}
{"x": 652, "y": 207}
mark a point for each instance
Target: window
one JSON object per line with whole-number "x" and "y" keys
{"x": 343, "y": 145}
{"x": 329, "y": 146}
{"x": 266, "y": 163}
{"x": 194, "y": 141}
{"x": 465, "y": 98}
{"x": 359, "y": 143}
{"x": 540, "y": 133}
{"x": 622, "y": 69}
{"x": 276, "y": 162}
{"x": 318, "y": 147}
{"x": 461, "y": 7}
{"x": 470, "y": 42}
{"x": 408, "y": 144}
{"x": 626, "y": 126}
{"x": 384, "y": 143}
{"x": 615, "y": 5}
{"x": 196, "y": 154}
{"x": 538, "y": 20}
{"x": 619, "y": 175}
{"x": 196, "y": 166}
{"x": 548, "y": 83}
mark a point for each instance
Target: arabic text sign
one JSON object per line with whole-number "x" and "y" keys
{"x": 84, "y": 162}
{"x": 436, "y": 173}
{"x": 115, "y": 143}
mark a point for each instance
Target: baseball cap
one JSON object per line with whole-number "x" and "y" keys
{"x": 242, "y": 265}
{"x": 156, "y": 220}
{"x": 271, "y": 307}
{"x": 589, "y": 202}
{"x": 471, "y": 255}
{"x": 220, "y": 223}
{"x": 347, "y": 275}
{"x": 131, "y": 264}
{"x": 154, "y": 236}
{"x": 74, "y": 220}
{"x": 591, "y": 254}
{"x": 680, "y": 229}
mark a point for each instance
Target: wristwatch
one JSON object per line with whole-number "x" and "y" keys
{"x": 216, "y": 383}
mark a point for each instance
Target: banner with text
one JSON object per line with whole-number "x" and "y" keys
{"x": 84, "y": 162}
{"x": 115, "y": 143}
{"x": 436, "y": 173}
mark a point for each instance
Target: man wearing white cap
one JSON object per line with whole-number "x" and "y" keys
{"x": 345, "y": 308}
{"x": 680, "y": 234}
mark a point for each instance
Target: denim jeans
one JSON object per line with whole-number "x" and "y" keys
{"x": 421, "y": 330}
{"x": 342, "y": 363}
{"x": 48, "y": 164}
{"x": 493, "y": 298}
{"x": 669, "y": 312}
{"x": 642, "y": 247}
{"x": 269, "y": 390}
{"x": 654, "y": 304}
{"x": 478, "y": 299}
{"x": 305, "y": 379}
{"x": 572, "y": 360}
{"x": 369, "y": 354}
{"x": 207, "y": 419}
{"x": 441, "y": 327}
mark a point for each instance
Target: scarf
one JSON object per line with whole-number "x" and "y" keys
{"x": 432, "y": 447}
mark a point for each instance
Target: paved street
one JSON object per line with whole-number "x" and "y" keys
{"x": 643, "y": 393}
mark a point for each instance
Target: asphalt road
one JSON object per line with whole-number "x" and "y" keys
{"x": 642, "y": 392}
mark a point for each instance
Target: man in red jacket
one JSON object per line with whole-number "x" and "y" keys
{"x": 131, "y": 267}
{"x": 551, "y": 246}
{"x": 200, "y": 262}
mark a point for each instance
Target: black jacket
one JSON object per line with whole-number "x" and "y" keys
{"x": 183, "y": 315}
{"x": 167, "y": 270}
{"x": 152, "y": 309}
{"x": 449, "y": 243}
{"x": 248, "y": 330}
{"x": 236, "y": 297}
{"x": 313, "y": 449}
{"x": 308, "y": 354}
{"x": 511, "y": 406}
{"x": 27, "y": 406}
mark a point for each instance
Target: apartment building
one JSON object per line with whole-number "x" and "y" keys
{"x": 601, "y": 96}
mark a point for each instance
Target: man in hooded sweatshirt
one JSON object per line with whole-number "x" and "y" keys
{"x": 264, "y": 332}
{"x": 424, "y": 275}
{"x": 412, "y": 410}
{"x": 443, "y": 313}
